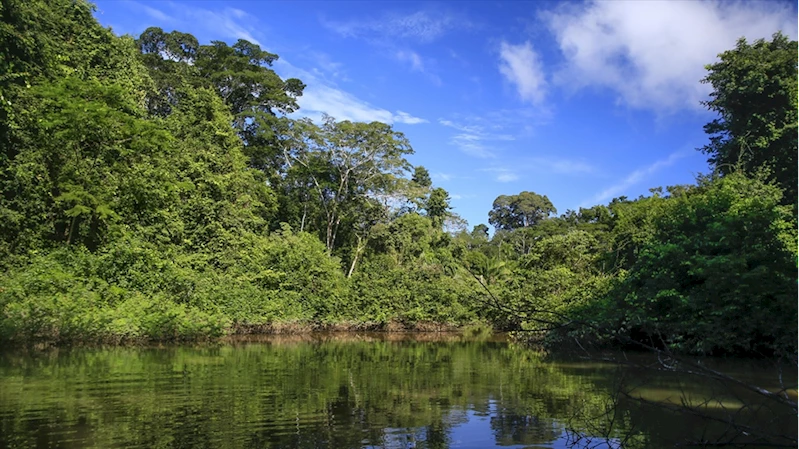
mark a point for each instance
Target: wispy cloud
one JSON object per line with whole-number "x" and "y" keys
{"x": 459, "y": 127}
{"x": 475, "y": 140}
{"x": 156, "y": 14}
{"x": 153, "y": 13}
{"x": 472, "y": 146}
{"x": 412, "y": 58}
{"x": 229, "y": 22}
{"x": 324, "y": 66}
{"x": 420, "y": 26}
{"x": 439, "y": 176}
{"x": 634, "y": 178}
{"x": 562, "y": 166}
{"x": 456, "y": 56}
{"x": 501, "y": 174}
{"x": 521, "y": 66}
{"x": 507, "y": 177}
{"x": 465, "y": 196}
{"x": 404, "y": 117}
{"x": 481, "y": 136}
{"x": 652, "y": 54}
{"x": 516, "y": 122}
{"x": 394, "y": 34}
{"x": 320, "y": 97}
{"x": 222, "y": 24}
{"x": 417, "y": 64}
{"x": 474, "y": 132}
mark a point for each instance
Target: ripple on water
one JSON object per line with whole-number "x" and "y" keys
{"x": 306, "y": 394}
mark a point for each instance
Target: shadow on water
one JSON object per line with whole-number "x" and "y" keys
{"x": 339, "y": 391}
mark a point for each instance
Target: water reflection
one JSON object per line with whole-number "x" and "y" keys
{"x": 314, "y": 392}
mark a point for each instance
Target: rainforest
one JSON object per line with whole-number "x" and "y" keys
{"x": 188, "y": 261}
{"x": 157, "y": 188}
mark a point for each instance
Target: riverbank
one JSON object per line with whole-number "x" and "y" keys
{"x": 393, "y": 326}
{"x": 302, "y": 330}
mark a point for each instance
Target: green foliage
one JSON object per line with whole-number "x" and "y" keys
{"x": 156, "y": 189}
{"x": 63, "y": 298}
{"x": 718, "y": 274}
{"x": 421, "y": 177}
{"x": 437, "y": 206}
{"x": 382, "y": 291}
{"x": 81, "y": 144}
{"x": 755, "y": 94}
{"x": 522, "y": 210}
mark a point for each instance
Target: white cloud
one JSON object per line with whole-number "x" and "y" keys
{"x": 539, "y": 164}
{"x": 521, "y": 66}
{"x": 404, "y": 117}
{"x": 474, "y": 139}
{"x": 507, "y": 177}
{"x": 413, "y": 58}
{"x": 420, "y": 26}
{"x": 462, "y": 196}
{"x": 325, "y": 66}
{"x": 562, "y": 166}
{"x": 417, "y": 64}
{"x": 460, "y": 127}
{"x": 392, "y": 33}
{"x": 502, "y": 174}
{"x": 469, "y": 139}
{"x": 154, "y": 13}
{"x": 472, "y": 146}
{"x": 228, "y": 23}
{"x": 321, "y": 97}
{"x": 652, "y": 54}
{"x": 442, "y": 176}
{"x": 634, "y": 178}
{"x": 512, "y": 123}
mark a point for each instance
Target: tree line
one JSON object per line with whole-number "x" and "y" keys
{"x": 155, "y": 187}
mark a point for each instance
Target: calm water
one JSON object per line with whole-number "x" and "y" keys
{"x": 335, "y": 391}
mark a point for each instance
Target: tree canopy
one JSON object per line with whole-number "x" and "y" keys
{"x": 520, "y": 211}
{"x": 755, "y": 95}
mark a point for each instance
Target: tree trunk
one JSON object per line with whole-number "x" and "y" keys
{"x": 71, "y": 229}
{"x": 328, "y": 237}
{"x": 358, "y": 249}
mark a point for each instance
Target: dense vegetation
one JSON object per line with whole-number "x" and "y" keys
{"x": 156, "y": 188}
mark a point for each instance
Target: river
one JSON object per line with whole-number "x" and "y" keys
{"x": 350, "y": 391}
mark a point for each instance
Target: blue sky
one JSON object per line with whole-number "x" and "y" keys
{"x": 579, "y": 101}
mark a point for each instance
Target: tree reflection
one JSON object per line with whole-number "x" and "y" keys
{"x": 514, "y": 429}
{"x": 313, "y": 394}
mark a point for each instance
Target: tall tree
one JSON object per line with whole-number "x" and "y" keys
{"x": 480, "y": 232}
{"x": 241, "y": 76}
{"x": 346, "y": 161}
{"x": 437, "y": 206}
{"x": 421, "y": 177}
{"x": 755, "y": 95}
{"x": 520, "y": 211}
